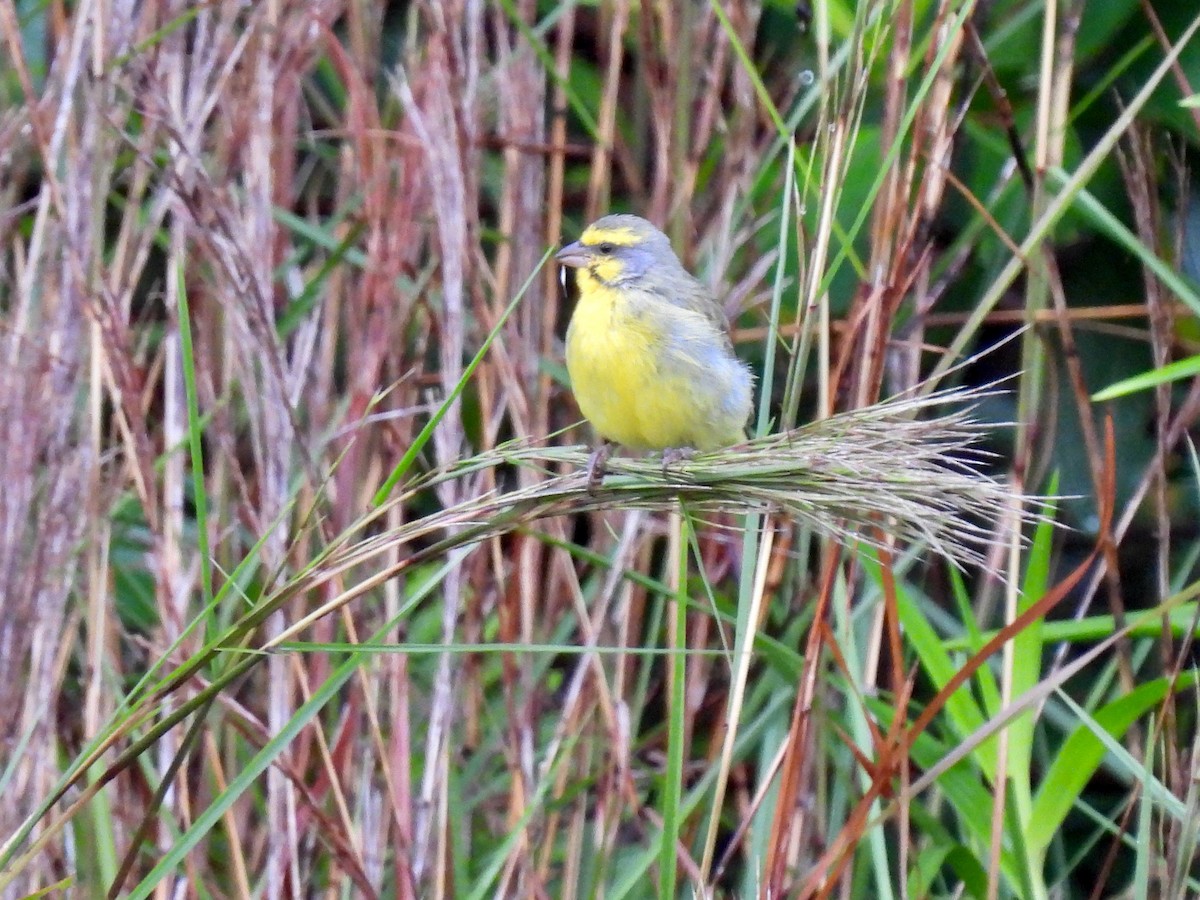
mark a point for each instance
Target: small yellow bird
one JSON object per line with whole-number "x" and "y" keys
{"x": 648, "y": 348}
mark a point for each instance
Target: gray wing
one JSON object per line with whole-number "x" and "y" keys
{"x": 682, "y": 290}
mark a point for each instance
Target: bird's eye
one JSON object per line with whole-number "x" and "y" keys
{"x": 606, "y": 248}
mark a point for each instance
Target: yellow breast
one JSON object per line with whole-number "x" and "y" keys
{"x": 644, "y": 374}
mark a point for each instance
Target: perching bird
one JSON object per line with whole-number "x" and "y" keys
{"x": 648, "y": 348}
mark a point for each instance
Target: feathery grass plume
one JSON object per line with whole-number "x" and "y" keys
{"x": 881, "y": 467}
{"x": 852, "y": 477}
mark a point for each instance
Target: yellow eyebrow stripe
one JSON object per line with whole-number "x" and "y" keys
{"x": 621, "y": 237}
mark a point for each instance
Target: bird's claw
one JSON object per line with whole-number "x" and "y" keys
{"x": 596, "y": 465}
{"x": 673, "y": 455}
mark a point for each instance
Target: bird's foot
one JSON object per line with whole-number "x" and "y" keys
{"x": 596, "y": 465}
{"x": 673, "y": 455}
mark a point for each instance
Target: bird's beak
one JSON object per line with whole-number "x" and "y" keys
{"x": 574, "y": 255}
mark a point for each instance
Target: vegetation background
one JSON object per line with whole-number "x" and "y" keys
{"x": 259, "y": 261}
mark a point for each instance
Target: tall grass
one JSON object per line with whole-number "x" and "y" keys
{"x": 302, "y": 588}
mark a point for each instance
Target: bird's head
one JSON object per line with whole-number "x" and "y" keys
{"x": 618, "y": 249}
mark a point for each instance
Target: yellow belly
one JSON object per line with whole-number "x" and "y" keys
{"x": 632, "y": 376}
